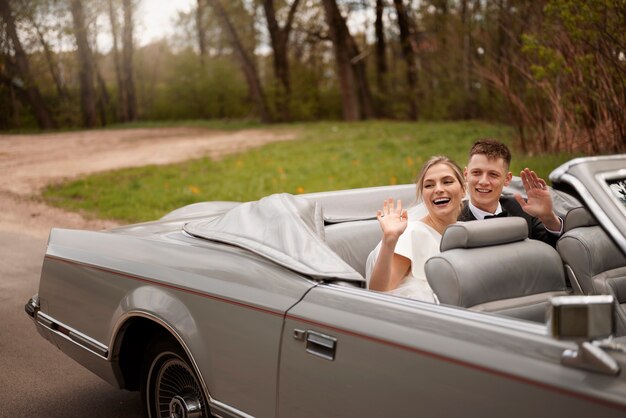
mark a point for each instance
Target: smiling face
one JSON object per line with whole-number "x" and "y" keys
{"x": 486, "y": 177}
{"x": 442, "y": 192}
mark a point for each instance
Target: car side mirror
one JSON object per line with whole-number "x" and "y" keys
{"x": 583, "y": 319}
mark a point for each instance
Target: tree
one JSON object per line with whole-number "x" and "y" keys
{"x": 50, "y": 60}
{"x": 252, "y": 78}
{"x": 280, "y": 39}
{"x": 407, "y": 42}
{"x": 201, "y": 30}
{"x": 122, "y": 112}
{"x": 127, "y": 60}
{"x": 32, "y": 93}
{"x": 355, "y": 93}
{"x": 573, "y": 58}
{"x": 86, "y": 67}
{"x": 381, "y": 48}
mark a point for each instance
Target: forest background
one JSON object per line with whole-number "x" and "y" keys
{"x": 554, "y": 70}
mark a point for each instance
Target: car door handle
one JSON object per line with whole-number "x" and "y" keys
{"x": 321, "y": 345}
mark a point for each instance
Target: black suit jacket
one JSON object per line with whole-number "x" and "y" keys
{"x": 536, "y": 230}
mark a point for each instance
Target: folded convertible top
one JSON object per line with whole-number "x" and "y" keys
{"x": 287, "y": 229}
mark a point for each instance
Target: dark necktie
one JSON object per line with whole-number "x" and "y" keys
{"x": 502, "y": 214}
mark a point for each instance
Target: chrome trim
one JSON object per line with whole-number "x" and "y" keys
{"x": 595, "y": 209}
{"x": 32, "y": 307}
{"x": 590, "y": 357}
{"x": 578, "y": 290}
{"x": 72, "y": 335}
{"x": 143, "y": 314}
{"x": 218, "y": 408}
{"x": 321, "y": 345}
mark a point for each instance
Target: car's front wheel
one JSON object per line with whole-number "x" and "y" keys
{"x": 169, "y": 385}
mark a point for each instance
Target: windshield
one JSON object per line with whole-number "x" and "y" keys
{"x": 618, "y": 188}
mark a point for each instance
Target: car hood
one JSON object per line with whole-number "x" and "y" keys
{"x": 284, "y": 228}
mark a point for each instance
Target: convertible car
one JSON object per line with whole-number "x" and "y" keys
{"x": 260, "y": 309}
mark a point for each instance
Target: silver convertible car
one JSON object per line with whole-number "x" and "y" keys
{"x": 260, "y": 309}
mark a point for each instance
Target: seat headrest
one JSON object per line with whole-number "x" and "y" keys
{"x": 577, "y": 218}
{"x": 474, "y": 234}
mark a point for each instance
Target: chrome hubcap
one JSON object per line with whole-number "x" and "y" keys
{"x": 185, "y": 407}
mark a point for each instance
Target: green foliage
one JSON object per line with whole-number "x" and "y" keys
{"x": 193, "y": 90}
{"x": 325, "y": 156}
{"x": 552, "y": 68}
{"x": 573, "y": 55}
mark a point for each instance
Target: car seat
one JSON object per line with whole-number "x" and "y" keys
{"x": 492, "y": 266}
{"x": 594, "y": 264}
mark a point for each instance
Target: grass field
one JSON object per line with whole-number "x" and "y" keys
{"x": 326, "y": 156}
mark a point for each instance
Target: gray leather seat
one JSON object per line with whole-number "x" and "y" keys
{"x": 492, "y": 266}
{"x": 354, "y": 241}
{"x": 594, "y": 264}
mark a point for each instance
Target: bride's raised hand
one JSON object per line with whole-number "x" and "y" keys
{"x": 392, "y": 219}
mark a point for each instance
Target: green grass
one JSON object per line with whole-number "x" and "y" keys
{"x": 217, "y": 124}
{"x": 326, "y": 156}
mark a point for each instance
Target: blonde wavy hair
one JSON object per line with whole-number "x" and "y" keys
{"x": 437, "y": 159}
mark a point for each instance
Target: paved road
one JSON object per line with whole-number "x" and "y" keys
{"x": 36, "y": 379}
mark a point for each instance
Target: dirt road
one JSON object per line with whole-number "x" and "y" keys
{"x": 30, "y": 162}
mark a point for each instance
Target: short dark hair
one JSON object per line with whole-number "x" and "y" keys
{"x": 492, "y": 149}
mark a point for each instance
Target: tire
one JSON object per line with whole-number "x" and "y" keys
{"x": 169, "y": 385}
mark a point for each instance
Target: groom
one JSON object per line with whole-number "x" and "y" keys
{"x": 487, "y": 173}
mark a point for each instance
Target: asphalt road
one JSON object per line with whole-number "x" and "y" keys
{"x": 36, "y": 379}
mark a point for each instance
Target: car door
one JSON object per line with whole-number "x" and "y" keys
{"x": 354, "y": 353}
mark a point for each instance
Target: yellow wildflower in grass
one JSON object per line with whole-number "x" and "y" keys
{"x": 393, "y": 180}
{"x": 238, "y": 163}
{"x": 193, "y": 189}
{"x": 409, "y": 161}
{"x": 299, "y": 190}
{"x": 280, "y": 170}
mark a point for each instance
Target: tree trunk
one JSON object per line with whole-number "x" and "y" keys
{"x": 15, "y": 104}
{"x": 16, "y": 108}
{"x": 355, "y": 94}
{"x": 42, "y": 114}
{"x": 409, "y": 57}
{"x": 103, "y": 98}
{"x": 201, "y": 30}
{"x": 247, "y": 65}
{"x": 441, "y": 22}
{"x": 381, "y": 53}
{"x": 52, "y": 65}
{"x": 280, "y": 39}
{"x": 122, "y": 113}
{"x": 127, "y": 60}
{"x": 86, "y": 72}
{"x": 469, "y": 105}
